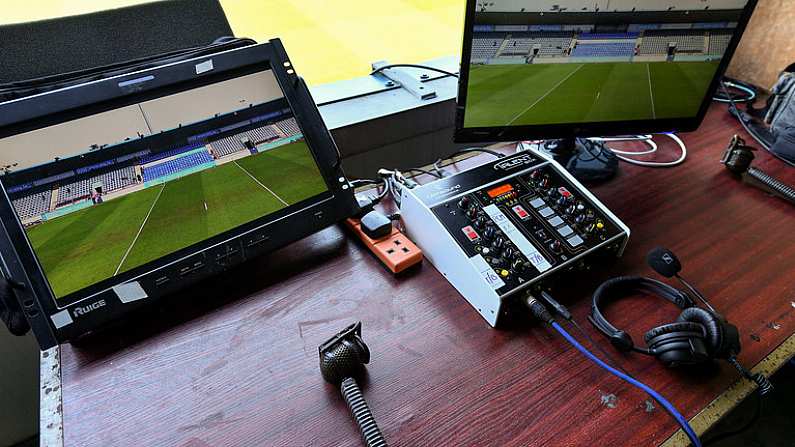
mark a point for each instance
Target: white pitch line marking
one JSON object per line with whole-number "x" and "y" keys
{"x": 260, "y": 183}
{"x": 545, "y": 95}
{"x": 129, "y": 249}
{"x": 651, "y": 93}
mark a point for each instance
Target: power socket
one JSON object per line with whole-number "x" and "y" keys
{"x": 395, "y": 250}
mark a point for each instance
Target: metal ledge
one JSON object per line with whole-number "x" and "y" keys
{"x": 377, "y": 123}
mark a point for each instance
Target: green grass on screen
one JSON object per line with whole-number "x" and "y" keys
{"x": 532, "y": 94}
{"x": 89, "y": 245}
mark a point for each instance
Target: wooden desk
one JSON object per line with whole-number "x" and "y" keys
{"x": 237, "y": 364}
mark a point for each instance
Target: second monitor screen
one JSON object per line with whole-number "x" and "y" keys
{"x": 559, "y": 62}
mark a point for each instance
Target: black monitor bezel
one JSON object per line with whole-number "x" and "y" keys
{"x": 19, "y": 261}
{"x": 464, "y": 134}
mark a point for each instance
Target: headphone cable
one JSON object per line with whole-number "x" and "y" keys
{"x": 540, "y": 312}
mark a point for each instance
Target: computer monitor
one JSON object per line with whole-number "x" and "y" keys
{"x": 119, "y": 192}
{"x": 561, "y": 69}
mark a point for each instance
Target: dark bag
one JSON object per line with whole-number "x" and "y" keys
{"x": 781, "y": 115}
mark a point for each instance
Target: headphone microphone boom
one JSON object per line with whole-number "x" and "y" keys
{"x": 664, "y": 262}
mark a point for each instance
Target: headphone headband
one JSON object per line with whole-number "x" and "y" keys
{"x": 615, "y": 288}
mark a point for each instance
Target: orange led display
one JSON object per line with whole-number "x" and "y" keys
{"x": 500, "y": 190}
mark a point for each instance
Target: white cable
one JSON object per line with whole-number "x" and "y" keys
{"x": 660, "y": 164}
{"x": 644, "y": 138}
{"x": 750, "y": 98}
{"x": 623, "y": 138}
{"x": 652, "y": 149}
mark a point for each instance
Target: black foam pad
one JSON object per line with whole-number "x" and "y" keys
{"x": 713, "y": 328}
{"x": 48, "y": 47}
{"x": 682, "y": 326}
{"x": 664, "y": 262}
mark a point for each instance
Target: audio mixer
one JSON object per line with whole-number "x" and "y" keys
{"x": 508, "y": 225}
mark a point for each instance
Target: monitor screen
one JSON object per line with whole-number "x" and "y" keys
{"x": 107, "y": 193}
{"x": 569, "y": 63}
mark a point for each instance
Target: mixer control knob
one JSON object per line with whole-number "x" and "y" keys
{"x": 562, "y": 201}
{"x": 571, "y": 210}
{"x": 508, "y": 253}
{"x": 580, "y": 207}
{"x": 555, "y": 246}
{"x": 517, "y": 265}
{"x": 498, "y": 243}
{"x": 590, "y": 228}
{"x": 543, "y": 182}
{"x": 553, "y": 194}
{"x": 480, "y": 222}
{"x": 464, "y": 202}
{"x": 489, "y": 232}
{"x": 600, "y": 225}
{"x": 472, "y": 212}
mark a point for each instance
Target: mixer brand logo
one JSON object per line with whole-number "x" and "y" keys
{"x": 78, "y": 311}
{"x": 514, "y": 163}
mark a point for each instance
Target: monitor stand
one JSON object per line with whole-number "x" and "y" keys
{"x": 588, "y": 161}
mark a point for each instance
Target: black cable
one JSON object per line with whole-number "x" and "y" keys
{"x": 784, "y": 191}
{"x": 593, "y": 343}
{"x": 423, "y": 171}
{"x": 424, "y": 67}
{"x": 476, "y": 149}
{"x": 364, "y": 182}
{"x": 750, "y": 423}
{"x": 764, "y": 386}
{"x": 371, "y": 434}
{"x": 464, "y": 151}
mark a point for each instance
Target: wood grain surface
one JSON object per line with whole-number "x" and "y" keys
{"x": 234, "y": 361}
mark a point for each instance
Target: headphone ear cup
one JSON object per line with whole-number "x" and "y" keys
{"x": 714, "y": 333}
{"x": 680, "y": 343}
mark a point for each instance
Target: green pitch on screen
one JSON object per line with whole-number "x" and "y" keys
{"x": 95, "y": 243}
{"x": 531, "y": 94}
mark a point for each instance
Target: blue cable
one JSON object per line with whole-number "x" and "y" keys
{"x": 661, "y": 400}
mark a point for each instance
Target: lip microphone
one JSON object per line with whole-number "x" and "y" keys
{"x": 665, "y": 262}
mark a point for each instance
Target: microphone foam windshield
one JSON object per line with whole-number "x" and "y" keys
{"x": 664, "y": 262}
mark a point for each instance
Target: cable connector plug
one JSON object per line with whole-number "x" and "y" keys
{"x": 560, "y": 309}
{"x": 538, "y": 310}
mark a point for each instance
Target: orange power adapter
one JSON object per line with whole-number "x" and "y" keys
{"x": 395, "y": 250}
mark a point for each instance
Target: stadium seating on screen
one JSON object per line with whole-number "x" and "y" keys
{"x": 174, "y": 166}
{"x": 33, "y": 205}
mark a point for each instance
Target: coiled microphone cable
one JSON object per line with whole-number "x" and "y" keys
{"x": 342, "y": 357}
{"x": 738, "y": 158}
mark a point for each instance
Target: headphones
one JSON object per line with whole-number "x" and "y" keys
{"x": 697, "y": 336}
